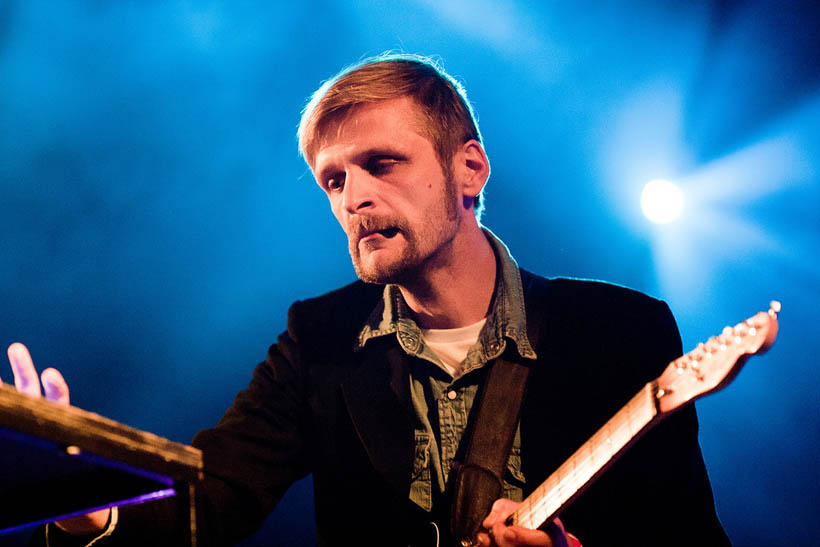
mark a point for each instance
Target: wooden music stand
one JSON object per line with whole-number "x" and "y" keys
{"x": 60, "y": 461}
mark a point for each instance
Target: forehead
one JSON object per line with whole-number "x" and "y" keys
{"x": 370, "y": 124}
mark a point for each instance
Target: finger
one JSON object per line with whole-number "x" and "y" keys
{"x": 501, "y": 509}
{"x": 25, "y": 376}
{"x": 54, "y": 386}
{"x": 515, "y": 535}
{"x": 483, "y": 539}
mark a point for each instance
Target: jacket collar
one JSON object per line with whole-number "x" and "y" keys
{"x": 507, "y": 319}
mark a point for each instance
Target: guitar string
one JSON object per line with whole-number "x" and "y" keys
{"x": 580, "y": 469}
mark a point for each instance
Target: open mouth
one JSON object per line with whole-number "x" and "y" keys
{"x": 389, "y": 232}
{"x": 367, "y": 228}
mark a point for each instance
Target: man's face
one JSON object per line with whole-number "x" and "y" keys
{"x": 388, "y": 191}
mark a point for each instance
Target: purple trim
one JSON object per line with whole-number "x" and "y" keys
{"x": 161, "y": 485}
{"x": 159, "y": 494}
{"x": 84, "y": 455}
{"x": 105, "y": 462}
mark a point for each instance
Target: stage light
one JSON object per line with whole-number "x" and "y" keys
{"x": 661, "y": 201}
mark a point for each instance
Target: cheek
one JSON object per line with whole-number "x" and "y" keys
{"x": 338, "y": 214}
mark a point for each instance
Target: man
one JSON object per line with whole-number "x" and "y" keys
{"x": 371, "y": 386}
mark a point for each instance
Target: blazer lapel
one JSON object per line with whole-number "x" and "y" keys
{"x": 377, "y": 395}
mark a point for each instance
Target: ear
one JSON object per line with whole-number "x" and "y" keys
{"x": 471, "y": 168}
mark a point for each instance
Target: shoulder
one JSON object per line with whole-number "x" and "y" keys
{"x": 567, "y": 294}
{"x": 584, "y": 312}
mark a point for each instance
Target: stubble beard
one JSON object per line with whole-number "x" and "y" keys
{"x": 444, "y": 222}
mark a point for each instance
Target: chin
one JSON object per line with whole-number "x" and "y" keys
{"x": 386, "y": 265}
{"x": 382, "y": 273}
{"x": 375, "y": 275}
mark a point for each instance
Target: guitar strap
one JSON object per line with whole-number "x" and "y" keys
{"x": 479, "y": 479}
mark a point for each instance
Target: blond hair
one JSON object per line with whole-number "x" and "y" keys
{"x": 448, "y": 119}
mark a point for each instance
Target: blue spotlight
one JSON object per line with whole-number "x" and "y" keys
{"x": 661, "y": 201}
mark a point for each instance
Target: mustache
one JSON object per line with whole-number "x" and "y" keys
{"x": 360, "y": 226}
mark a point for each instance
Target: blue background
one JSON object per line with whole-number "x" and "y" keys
{"x": 156, "y": 220}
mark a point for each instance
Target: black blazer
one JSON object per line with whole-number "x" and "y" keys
{"x": 317, "y": 406}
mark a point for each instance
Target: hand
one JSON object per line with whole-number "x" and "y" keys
{"x": 500, "y": 535}
{"x": 56, "y": 389}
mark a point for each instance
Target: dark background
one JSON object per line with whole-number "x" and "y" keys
{"x": 156, "y": 220}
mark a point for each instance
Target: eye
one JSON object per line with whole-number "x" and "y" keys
{"x": 335, "y": 183}
{"x": 378, "y": 165}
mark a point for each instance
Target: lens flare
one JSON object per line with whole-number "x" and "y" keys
{"x": 661, "y": 201}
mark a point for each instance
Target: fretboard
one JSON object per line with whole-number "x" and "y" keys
{"x": 588, "y": 462}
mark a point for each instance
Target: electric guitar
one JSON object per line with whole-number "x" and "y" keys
{"x": 707, "y": 368}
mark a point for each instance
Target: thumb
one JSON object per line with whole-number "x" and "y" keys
{"x": 54, "y": 386}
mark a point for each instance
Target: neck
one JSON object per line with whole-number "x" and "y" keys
{"x": 456, "y": 288}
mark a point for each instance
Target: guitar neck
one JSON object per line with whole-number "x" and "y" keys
{"x": 705, "y": 369}
{"x": 589, "y": 461}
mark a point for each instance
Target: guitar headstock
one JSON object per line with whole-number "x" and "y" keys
{"x": 712, "y": 365}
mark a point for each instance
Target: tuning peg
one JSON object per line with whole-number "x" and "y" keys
{"x": 774, "y": 307}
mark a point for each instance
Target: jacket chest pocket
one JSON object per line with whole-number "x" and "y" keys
{"x": 513, "y": 476}
{"x": 421, "y": 490}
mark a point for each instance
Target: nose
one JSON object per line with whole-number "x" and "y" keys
{"x": 358, "y": 192}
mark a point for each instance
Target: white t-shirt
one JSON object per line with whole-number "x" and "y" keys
{"x": 451, "y": 345}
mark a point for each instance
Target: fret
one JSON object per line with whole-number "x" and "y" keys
{"x": 590, "y": 454}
